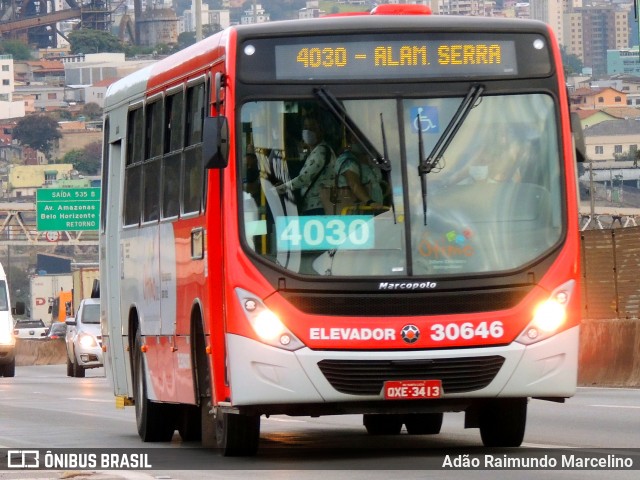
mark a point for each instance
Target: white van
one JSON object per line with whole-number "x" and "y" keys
{"x": 7, "y": 340}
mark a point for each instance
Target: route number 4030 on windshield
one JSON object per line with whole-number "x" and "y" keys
{"x": 327, "y": 232}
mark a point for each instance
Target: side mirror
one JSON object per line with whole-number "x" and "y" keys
{"x": 215, "y": 147}
{"x": 19, "y": 309}
{"x": 578, "y": 138}
{"x": 71, "y": 321}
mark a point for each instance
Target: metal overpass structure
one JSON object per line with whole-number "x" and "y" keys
{"x": 18, "y": 228}
{"x": 34, "y": 21}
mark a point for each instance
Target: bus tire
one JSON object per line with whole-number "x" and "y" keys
{"x": 154, "y": 420}
{"x": 189, "y": 423}
{"x": 206, "y": 419}
{"x": 423, "y": 423}
{"x": 502, "y": 422}
{"x": 382, "y": 424}
{"x": 237, "y": 435}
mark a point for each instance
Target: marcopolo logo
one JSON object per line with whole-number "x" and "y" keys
{"x": 410, "y": 333}
{"x": 407, "y": 285}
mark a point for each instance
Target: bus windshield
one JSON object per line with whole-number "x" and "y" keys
{"x": 492, "y": 201}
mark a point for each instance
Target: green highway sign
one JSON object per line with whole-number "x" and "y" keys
{"x": 67, "y": 209}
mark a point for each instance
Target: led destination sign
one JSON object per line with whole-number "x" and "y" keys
{"x": 395, "y": 59}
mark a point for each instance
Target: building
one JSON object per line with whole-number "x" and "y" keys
{"x": 461, "y": 7}
{"x": 256, "y": 14}
{"x": 95, "y": 93}
{"x": 606, "y": 140}
{"x": 158, "y": 26}
{"x": 221, "y": 18}
{"x": 94, "y": 67}
{"x": 311, "y": 10}
{"x": 591, "y": 31}
{"x": 551, "y": 12}
{"x": 597, "y": 98}
{"x": 24, "y": 180}
{"x": 45, "y": 97}
{"x": 11, "y": 106}
{"x": 40, "y": 72}
{"x": 625, "y": 61}
{"x": 75, "y": 136}
{"x": 589, "y": 118}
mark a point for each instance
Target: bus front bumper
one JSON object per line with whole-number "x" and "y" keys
{"x": 281, "y": 381}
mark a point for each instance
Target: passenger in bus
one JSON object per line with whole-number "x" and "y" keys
{"x": 356, "y": 182}
{"x": 318, "y": 169}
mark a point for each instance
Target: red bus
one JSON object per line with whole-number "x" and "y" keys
{"x": 230, "y": 290}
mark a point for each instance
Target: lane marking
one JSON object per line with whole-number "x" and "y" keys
{"x": 616, "y": 406}
{"x": 99, "y": 400}
{"x": 285, "y": 420}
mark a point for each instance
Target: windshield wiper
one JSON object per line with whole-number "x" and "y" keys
{"x": 336, "y": 108}
{"x": 428, "y": 164}
{"x": 387, "y": 172}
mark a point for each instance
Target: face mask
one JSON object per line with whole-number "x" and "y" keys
{"x": 309, "y": 137}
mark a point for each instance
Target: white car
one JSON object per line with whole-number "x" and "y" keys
{"x": 84, "y": 338}
{"x": 29, "y": 328}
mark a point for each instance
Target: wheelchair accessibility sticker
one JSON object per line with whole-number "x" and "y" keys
{"x": 428, "y": 119}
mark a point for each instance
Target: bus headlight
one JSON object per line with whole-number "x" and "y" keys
{"x": 266, "y": 324}
{"x": 549, "y": 316}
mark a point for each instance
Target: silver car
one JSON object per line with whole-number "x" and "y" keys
{"x": 83, "y": 338}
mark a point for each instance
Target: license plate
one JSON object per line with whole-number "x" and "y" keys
{"x": 412, "y": 389}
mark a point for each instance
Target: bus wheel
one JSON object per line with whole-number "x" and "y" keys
{"x": 377, "y": 424}
{"x": 155, "y": 421}
{"x": 237, "y": 435}
{"x": 502, "y": 422}
{"x": 423, "y": 423}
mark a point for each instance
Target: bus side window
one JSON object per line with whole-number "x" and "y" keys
{"x": 151, "y": 174}
{"x": 171, "y": 185}
{"x": 133, "y": 173}
{"x": 192, "y": 186}
{"x": 173, "y": 126}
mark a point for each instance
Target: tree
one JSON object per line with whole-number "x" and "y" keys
{"x": 87, "y": 160}
{"x": 94, "y": 41}
{"x": 92, "y": 111}
{"x": 17, "y": 49}
{"x": 39, "y": 132}
{"x": 572, "y": 63}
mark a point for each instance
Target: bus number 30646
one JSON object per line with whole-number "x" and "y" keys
{"x": 466, "y": 331}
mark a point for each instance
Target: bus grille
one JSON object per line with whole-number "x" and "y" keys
{"x": 367, "y": 377}
{"x": 404, "y": 304}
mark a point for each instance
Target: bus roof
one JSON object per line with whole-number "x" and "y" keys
{"x": 186, "y": 62}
